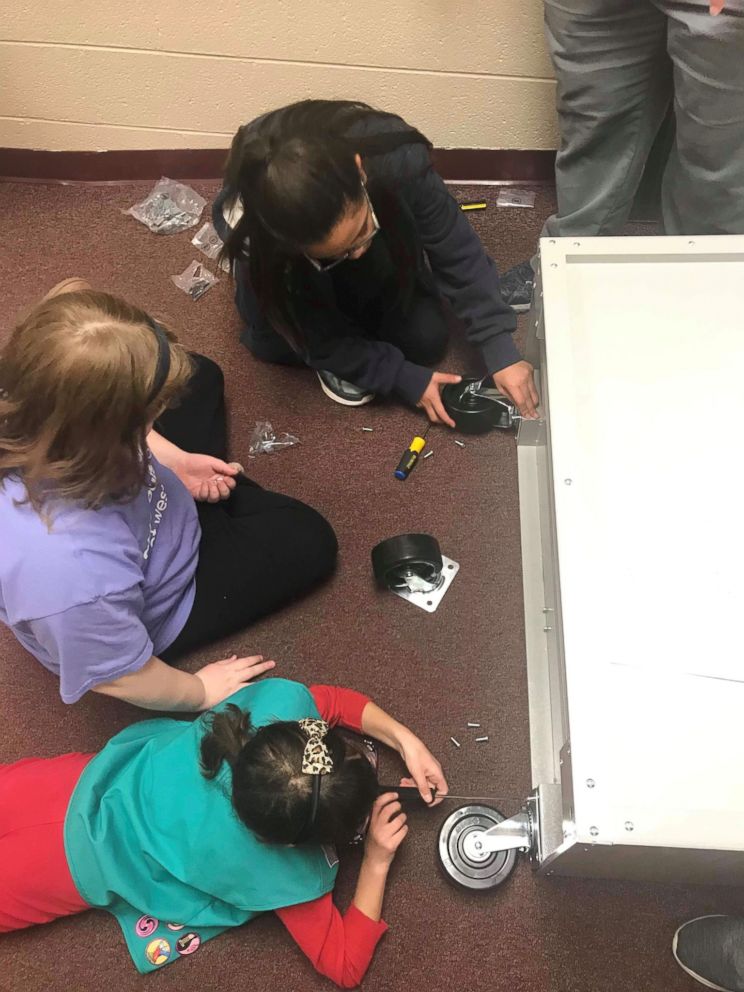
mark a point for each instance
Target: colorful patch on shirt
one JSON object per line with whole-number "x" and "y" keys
{"x": 158, "y": 951}
{"x": 330, "y": 855}
{"x": 145, "y": 926}
{"x": 187, "y": 943}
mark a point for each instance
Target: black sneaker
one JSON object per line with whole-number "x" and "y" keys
{"x": 517, "y": 285}
{"x": 343, "y": 392}
{"x": 711, "y": 950}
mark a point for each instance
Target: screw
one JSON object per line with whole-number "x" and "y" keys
{"x": 628, "y": 825}
{"x": 553, "y": 265}
{"x": 479, "y": 740}
{"x": 552, "y": 241}
{"x": 367, "y": 430}
{"x": 568, "y": 481}
{"x": 460, "y": 444}
{"x": 478, "y": 845}
{"x": 590, "y": 783}
{"x": 577, "y": 244}
{"x": 690, "y": 242}
{"x": 428, "y": 454}
{"x": 594, "y": 831}
{"x": 456, "y": 743}
{"x": 473, "y": 724}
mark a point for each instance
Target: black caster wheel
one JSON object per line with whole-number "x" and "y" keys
{"x": 474, "y": 414}
{"x": 409, "y": 561}
{"x": 463, "y": 863}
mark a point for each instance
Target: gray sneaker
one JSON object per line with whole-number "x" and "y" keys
{"x": 711, "y": 950}
{"x": 516, "y": 286}
{"x": 343, "y": 392}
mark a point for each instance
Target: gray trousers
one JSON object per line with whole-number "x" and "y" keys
{"x": 620, "y": 65}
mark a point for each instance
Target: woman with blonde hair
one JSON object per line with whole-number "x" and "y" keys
{"x": 122, "y": 548}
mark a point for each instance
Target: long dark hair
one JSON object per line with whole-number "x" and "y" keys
{"x": 295, "y": 172}
{"x": 272, "y": 795}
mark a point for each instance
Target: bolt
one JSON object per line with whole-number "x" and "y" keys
{"x": 594, "y": 831}
{"x": 473, "y": 724}
{"x": 456, "y": 743}
{"x": 628, "y": 825}
{"x": 478, "y": 846}
{"x": 590, "y": 783}
{"x": 480, "y": 740}
{"x": 428, "y": 454}
{"x": 367, "y": 430}
{"x": 460, "y": 444}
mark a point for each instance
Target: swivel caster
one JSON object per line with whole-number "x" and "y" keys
{"x": 413, "y": 567}
{"x": 477, "y": 408}
{"x": 464, "y": 853}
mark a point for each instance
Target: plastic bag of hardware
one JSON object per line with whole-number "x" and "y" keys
{"x": 169, "y": 207}
{"x": 266, "y": 440}
{"x": 195, "y": 280}
{"x": 207, "y": 240}
{"x": 516, "y": 198}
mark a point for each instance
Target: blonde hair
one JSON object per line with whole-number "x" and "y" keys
{"x": 75, "y": 382}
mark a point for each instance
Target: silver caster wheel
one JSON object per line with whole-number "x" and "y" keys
{"x": 461, "y": 853}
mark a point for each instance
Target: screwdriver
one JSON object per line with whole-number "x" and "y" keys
{"x": 411, "y": 455}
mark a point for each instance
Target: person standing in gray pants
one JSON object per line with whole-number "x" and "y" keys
{"x": 625, "y": 70}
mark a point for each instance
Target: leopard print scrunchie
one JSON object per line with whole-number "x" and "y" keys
{"x": 316, "y": 759}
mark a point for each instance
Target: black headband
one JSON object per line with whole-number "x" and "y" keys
{"x": 310, "y": 821}
{"x": 162, "y": 368}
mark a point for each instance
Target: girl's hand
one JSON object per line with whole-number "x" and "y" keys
{"x": 425, "y": 770}
{"x": 387, "y": 830}
{"x": 431, "y": 401}
{"x": 222, "y": 678}
{"x": 207, "y": 479}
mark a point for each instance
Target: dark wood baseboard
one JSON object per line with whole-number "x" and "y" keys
{"x": 34, "y": 165}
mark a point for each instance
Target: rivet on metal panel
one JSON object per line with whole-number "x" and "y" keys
{"x": 628, "y": 825}
{"x": 590, "y": 783}
{"x": 690, "y": 242}
{"x": 594, "y": 831}
{"x": 546, "y": 629}
{"x": 568, "y": 481}
{"x": 553, "y": 265}
{"x": 577, "y": 244}
{"x": 552, "y": 241}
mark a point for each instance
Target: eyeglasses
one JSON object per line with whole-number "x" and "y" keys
{"x": 326, "y": 264}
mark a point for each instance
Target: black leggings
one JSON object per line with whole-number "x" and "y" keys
{"x": 258, "y": 549}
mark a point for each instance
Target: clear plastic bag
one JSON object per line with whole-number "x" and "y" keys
{"x": 208, "y": 241}
{"x": 265, "y": 439}
{"x": 169, "y": 207}
{"x": 516, "y": 198}
{"x": 195, "y": 280}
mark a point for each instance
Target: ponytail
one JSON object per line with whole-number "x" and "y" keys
{"x": 228, "y": 733}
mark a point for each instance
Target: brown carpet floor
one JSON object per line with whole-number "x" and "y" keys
{"x": 436, "y": 672}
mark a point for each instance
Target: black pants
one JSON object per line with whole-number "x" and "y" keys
{"x": 258, "y": 549}
{"x": 421, "y": 332}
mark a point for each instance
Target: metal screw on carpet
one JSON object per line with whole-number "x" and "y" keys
{"x": 456, "y": 743}
{"x": 479, "y": 740}
{"x": 367, "y": 430}
{"x": 428, "y": 455}
{"x": 460, "y": 444}
{"x": 473, "y": 724}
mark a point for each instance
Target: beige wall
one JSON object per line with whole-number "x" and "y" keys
{"x": 181, "y": 74}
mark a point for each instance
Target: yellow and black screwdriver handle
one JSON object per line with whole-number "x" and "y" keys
{"x": 411, "y": 456}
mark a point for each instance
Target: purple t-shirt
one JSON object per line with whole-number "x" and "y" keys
{"x": 102, "y": 591}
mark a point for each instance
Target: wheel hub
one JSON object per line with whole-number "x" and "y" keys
{"x": 464, "y": 856}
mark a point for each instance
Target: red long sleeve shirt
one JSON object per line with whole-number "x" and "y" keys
{"x": 340, "y": 947}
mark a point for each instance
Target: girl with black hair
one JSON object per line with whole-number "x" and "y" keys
{"x": 182, "y": 830}
{"x": 344, "y": 243}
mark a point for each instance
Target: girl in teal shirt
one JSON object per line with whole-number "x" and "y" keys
{"x": 182, "y": 830}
